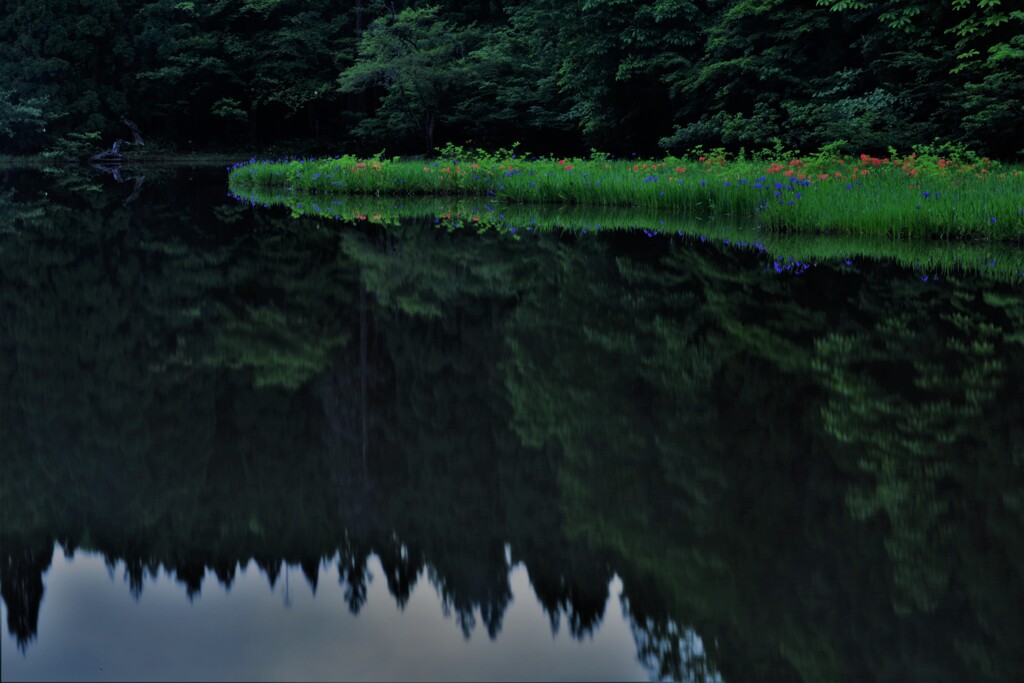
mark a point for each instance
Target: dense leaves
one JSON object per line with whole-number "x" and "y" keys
{"x": 560, "y": 76}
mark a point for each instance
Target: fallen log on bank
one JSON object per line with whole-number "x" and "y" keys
{"x": 113, "y": 156}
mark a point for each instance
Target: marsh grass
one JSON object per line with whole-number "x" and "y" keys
{"x": 908, "y": 197}
{"x": 787, "y": 252}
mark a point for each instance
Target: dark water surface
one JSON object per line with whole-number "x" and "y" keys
{"x": 235, "y": 444}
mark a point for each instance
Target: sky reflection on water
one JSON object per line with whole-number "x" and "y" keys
{"x": 94, "y": 629}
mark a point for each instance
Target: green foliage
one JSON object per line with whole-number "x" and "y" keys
{"x": 75, "y": 146}
{"x": 421, "y": 62}
{"x": 930, "y": 197}
{"x": 560, "y": 76}
{"x": 22, "y": 117}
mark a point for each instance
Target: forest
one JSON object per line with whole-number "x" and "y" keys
{"x": 563, "y": 77}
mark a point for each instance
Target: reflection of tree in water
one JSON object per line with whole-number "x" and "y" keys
{"x": 673, "y": 653}
{"x": 697, "y": 456}
{"x": 928, "y": 391}
{"x": 283, "y": 395}
{"x": 21, "y": 585}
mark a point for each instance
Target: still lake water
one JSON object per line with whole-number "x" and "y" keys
{"x": 237, "y": 444}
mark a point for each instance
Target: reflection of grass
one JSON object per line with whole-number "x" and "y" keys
{"x": 791, "y": 252}
{"x": 900, "y": 197}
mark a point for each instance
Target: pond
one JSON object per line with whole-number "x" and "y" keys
{"x": 240, "y": 442}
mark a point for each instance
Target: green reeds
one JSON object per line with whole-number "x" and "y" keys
{"x": 901, "y": 197}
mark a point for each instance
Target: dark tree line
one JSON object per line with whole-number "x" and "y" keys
{"x": 559, "y": 76}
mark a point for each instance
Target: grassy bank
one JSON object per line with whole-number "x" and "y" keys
{"x": 786, "y": 253}
{"x": 911, "y": 196}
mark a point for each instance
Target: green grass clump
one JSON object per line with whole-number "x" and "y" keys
{"x": 911, "y": 196}
{"x": 574, "y": 181}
